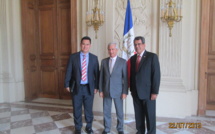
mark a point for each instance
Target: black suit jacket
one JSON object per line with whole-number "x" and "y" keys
{"x": 73, "y": 73}
{"x": 146, "y": 80}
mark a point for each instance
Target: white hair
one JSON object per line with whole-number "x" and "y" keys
{"x": 113, "y": 43}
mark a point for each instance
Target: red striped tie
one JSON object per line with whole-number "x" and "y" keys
{"x": 84, "y": 69}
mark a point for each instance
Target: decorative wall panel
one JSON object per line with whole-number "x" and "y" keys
{"x": 5, "y": 76}
{"x": 170, "y": 49}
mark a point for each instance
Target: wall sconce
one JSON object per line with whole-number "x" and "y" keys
{"x": 95, "y": 14}
{"x": 171, "y": 14}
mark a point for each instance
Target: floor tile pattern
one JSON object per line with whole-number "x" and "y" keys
{"x": 55, "y": 118}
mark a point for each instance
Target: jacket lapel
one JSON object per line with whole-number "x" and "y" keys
{"x": 116, "y": 64}
{"x": 89, "y": 65}
{"x": 133, "y": 62}
{"x": 78, "y": 61}
{"x": 142, "y": 59}
{"x": 107, "y": 64}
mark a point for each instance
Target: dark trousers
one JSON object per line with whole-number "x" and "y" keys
{"x": 145, "y": 110}
{"x": 84, "y": 98}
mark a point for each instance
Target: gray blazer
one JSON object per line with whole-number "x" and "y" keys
{"x": 115, "y": 84}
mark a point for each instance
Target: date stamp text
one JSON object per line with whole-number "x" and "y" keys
{"x": 177, "y": 125}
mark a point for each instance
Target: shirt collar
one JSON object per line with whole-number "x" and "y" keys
{"x": 141, "y": 53}
{"x": 114, "y": 58}
{"x": 87, "y": 54}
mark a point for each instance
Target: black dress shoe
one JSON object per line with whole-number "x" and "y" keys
{"x": 120, "y": 132}
{"x": 105, "y": 132}
{"x": 77, "y": 131}
{"x": 89, "y": 130}
{"x": 138, "y": 132}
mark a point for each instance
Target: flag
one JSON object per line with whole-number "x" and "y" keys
{"x": 128, "y": 35}
{"x": 128, "y": 47}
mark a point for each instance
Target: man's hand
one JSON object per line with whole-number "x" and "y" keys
{"x": 67, "y": 89}
{"x": 124, "y": 96}
{"x": 101, "y": 94}
{"x": 154, "y": 96}
{"x": 95, "y": 91}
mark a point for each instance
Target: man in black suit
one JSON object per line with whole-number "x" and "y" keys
{"x": 81, "y": 79}
{"x": 144, "y": 85}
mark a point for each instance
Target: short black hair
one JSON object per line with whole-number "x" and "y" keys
{"x": 140, "y": 38}
{"x": 86, "y": 38}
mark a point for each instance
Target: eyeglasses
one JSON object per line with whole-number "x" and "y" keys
{"x": 138, "y": 44}
{"x": 85, "y": 44}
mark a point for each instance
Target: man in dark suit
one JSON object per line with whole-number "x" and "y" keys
{"x": 81, "y": 79}
{"x": 144, "y": 85}
{"x": 113, "y": 86}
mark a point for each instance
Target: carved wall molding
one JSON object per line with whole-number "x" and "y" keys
{"x": 170, "y": 53}
{"x": 7, "y": 50}
{"x": 172, "y": 84}
{"x": 3, "y": 40}
{"x": 3, "y": 27}
{"x": 6, "y": 77}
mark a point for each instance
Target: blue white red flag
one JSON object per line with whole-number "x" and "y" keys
{"x": 128, "y": 35}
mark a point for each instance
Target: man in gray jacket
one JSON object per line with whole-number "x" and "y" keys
{"x": 113, "y": 86}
